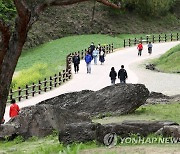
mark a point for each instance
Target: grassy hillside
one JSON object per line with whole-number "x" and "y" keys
{"x": 59, "y": 22}
{"x": 170, "y": 61}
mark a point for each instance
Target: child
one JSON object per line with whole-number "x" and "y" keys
{"x": 150, "y": 48}
{"x": 113, "y": 75}
{"x": 140, "y": 48}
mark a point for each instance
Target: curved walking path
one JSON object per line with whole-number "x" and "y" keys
{"x": 160, "y": 82}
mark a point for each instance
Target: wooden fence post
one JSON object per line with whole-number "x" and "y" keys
{"x": 177, "y": 36}
{"x": 106, "y": 47}
{"x": 70, "y": 74}
{"x": 39, "y": 87}
{"x": 45, "y": 85}
{"x": 19, "y": 94}
{"x": 26, "y": 91}
{"x": 141, "y": 39}
{"x": 112, "y": 47}
{"x": 153, "y": 39}
{"x": 33, "y": 89}
{"x": 82, "y": 54}
{"x": 67, "y": 74}
{"x": 135, "y": 41}
{"x": 147, "y": 39}
{"x": 171, "y": 37}
{"x": 129, "y": 42}
{"x": 124, "y": 43}
{"x": 159, "y": 38}
{"x": 50, "y": 82}
{"x": 64, "y": 75}
{"x": 55, "y": 80}
{"x": 165, "y": 37}
{"x": 59, "y": 77}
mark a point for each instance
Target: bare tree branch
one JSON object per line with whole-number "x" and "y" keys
{"x": 106, "y": 2}
{"x": 23, "y": 19}
{"x": 43, "y": 6}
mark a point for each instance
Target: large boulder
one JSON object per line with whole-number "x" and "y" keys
{"x": 83, "y": 132}
{"x": 126, "y": 128}
{"x": 78, "y": 132}
{"x": 117, "y": 99}
{"x": 40, "y": 120}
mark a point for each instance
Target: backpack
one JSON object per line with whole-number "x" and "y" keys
{"x": 101, "y": 53}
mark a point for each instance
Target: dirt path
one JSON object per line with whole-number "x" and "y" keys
{"x": 99, "y": 77}
{"x": 136, "y": 149}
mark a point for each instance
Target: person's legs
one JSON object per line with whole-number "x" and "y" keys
{"x": 89, "y": 67}
{"x": 95, "y": 60}
{"x": 122, "y": 81}
{"x": 112, "y": 82}
{"x": 75, "y": 68}
{"x": 140, "y": 52}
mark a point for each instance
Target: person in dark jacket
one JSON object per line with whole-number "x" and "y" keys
{"x": 122, "y": 74}
{"x": 113, "y": 75}
{"x": 76, "y": 61}
{"x": 102, "y": 55}
{"x": 92, "y": 47}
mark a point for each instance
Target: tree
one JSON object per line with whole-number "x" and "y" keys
{"x": 14, "y": 34}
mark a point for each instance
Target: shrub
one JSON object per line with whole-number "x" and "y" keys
{"x": 27, "y": 77}
{"x": 149, "y": 7}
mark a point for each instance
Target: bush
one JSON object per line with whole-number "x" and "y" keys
{"x": 27, "y": 77}
{"x": 149, "y": 7}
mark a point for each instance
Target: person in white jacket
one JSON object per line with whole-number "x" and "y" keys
{"x": 95, "y": 55}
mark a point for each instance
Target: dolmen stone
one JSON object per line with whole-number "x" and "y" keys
{"x": 83, "y": 132}
{"x": 76, "y": 107}
{"x": 118, "y": 99}
{"x": 40, "y": 121}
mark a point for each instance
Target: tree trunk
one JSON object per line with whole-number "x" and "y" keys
{"x": 8, "y": 67}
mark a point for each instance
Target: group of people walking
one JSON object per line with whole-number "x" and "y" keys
{"x": 122, "y": 75}
{"x": 95, "y": 52}
{"x": 140, "y": 48}
{"x": 92, "y": 53}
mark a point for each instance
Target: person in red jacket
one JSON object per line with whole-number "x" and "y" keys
{"x": 140, "y": 48}
{"x": 14, "y": 109}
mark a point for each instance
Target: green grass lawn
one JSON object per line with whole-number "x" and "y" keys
{"x": 148, "y": 112}
{"x": 51, "y": 144}
{"x": 170, "y": 61}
